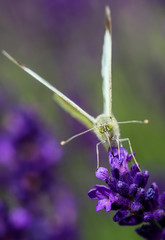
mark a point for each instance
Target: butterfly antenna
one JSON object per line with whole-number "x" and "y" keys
{"x": 146, "y": 121}
{"x": 77, "y": 135}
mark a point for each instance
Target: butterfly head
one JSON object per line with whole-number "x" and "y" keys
{"x": 106, "y": 127}
{"x": 104, "y": 123}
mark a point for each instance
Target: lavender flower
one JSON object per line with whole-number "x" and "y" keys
{"x": 34, "y": 204}
{"x": 20, "y": 223}
{"x": 126, "y": 192}
{"x": 24, "y": 144}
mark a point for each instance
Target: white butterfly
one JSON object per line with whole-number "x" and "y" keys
{"x": 105, "y": 126}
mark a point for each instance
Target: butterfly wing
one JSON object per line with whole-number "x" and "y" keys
{"x": 68, "y": 105}
{"x": 74, "y": 110}
{"x": 106, "y": 65}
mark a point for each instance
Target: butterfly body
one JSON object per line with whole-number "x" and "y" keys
{"x": 107, "y": 129}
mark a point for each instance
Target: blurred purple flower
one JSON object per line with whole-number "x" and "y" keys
{"x": 29, "y": 135}
{"x": 62, "y": 15}
{"x": 127, "y": 193}
{"x": 20, "y": 218}
{"x": 36, "y": 207}
{"x": 19, "y": 223}
{"x": 28, "y": 152}
{"x": 7, "y": 151}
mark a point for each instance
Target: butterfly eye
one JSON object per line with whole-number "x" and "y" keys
{"x": 101, "y": 130}
{"x": 109, "y": 128}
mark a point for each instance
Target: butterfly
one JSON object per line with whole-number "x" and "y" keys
{"x": 105, "y": 126}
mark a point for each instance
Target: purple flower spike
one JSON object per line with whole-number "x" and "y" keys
{"x": 126, "y": 193}
{"x": 102, "y": 173}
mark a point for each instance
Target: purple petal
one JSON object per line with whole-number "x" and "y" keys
{"x": 145, "y": 178}
{"x": 149, "y": 231}
{"x": 99, "y": 192}
{"x": 162, "y": 200}
{"x": 102, "y": 173}
{"x": 92, "y": 193}
{"x": 148, "y": 217}
{"x": 136, "y": 206}
{"x": 131, "y": 220}
{"x": 126, "y": 177}
{"x": 134, "y": 170}
{"x": 129, "y": 157}
{"x": 113, "y": 184}
{"x": 158, "y": 214}
{"x": 141, "y": 178}
{"x": 104, "y": 203}
{"x": 120, "y": 215}
{"x": 140, "y": 195}
{"x": 115, "y": 173}
{"x": 123, "y": 202}
{"x": 122, "y": 188}
{"x": 133, "y": 189}
{"x": 102, "y": 191}
{"x": 155, "y": 188}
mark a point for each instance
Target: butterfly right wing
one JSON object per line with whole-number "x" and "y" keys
{"x": 68, "y": 105}
{"x": 106, "y": 65}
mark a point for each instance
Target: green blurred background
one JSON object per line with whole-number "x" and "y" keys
{"x": 62, "y": 41}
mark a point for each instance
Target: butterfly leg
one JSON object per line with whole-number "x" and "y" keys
{"x": 97, "y": 153}
{"x": 127, "y": 140}
{"x": 118, "y": 146}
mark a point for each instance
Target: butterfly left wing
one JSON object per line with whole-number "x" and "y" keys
{"x": 68, "y": 105}
{"x": 106, "y": 64}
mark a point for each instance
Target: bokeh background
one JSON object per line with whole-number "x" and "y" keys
{"x": 62, "y": 41}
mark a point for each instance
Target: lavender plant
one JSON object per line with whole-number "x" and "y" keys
{"x": 34, "y": 204}
{"x": 126, "y": 193}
